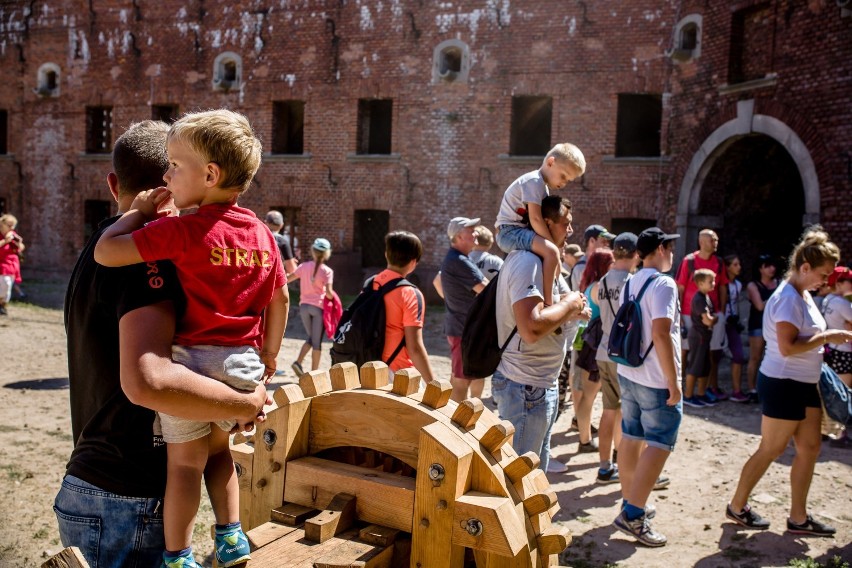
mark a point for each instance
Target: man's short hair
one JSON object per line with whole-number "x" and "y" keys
{"x": 226, "y": 138}
{"x": 274, "y": 217}
{"x": 484, "y": 236}
{"x": 139, "y": 157}
{"x": 703, "y": 275}
{"x": 551, "y": 207}
{"x": 401, "y": 247}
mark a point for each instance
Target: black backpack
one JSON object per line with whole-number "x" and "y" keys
{"x": 360, "y": 333}
{"x": 481, "y": 349}
{"x": 625, "y": 337}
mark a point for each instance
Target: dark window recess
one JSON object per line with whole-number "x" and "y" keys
{"x": 50, "y": 80}
{"x": 689, "y": 37}
{"x": 166, "y": 113}
{"x": 451, "y": 61}
{"x": 750, "y": 55}
{"x": 3, "y": 209}
{"x": 633, "y": 225}
{"x": 94, "y": 212}
{"x": 229, "y": 71}
{"x": 638, "y": 125}
{"x": 291, "y": 226}
{"x": 98, "y": 130}
{"x": 375, "y": 118}
{"x": 288, "y": 127}
{"x": 4, "y": 131}
{"x": 371, "y": 226}
{"x": 531, "y": 123}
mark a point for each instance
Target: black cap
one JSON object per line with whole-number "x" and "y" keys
{"x": 597, "y": 232}
{"x": 650, "y": 239}
{"x": 626, "y": 241}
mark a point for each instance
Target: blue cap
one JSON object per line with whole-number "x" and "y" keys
{"x": 321, "y": 245}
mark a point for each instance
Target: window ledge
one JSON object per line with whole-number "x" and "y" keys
{"x": 288, "y": 157}
{"x": 99, "y": 157}
{"x": 769, "y": 81}
{"x": 7, "y": 157}
{"x": 512, "y": 159}
{"x": 376, "y": 158}
{"x": 636, "y": 160}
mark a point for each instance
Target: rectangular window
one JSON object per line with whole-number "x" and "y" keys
{"x": 4, "y": 132}
{"x": 291, "y": 226}
{"x": 166, "y": 113}
{"x": 98, "y": 130}
{"x": 3, "y": 209}
{"x": 638, "y": 124}
{"x": 371, "y": 226}
{"x": 374, "y": 126}
{"x": 750, "y": 55}
{"x": 633, "y": 225}
{"x": 531, "y": 124}
{"x": 94, "y": 211}
{"x": 288, "y": 127}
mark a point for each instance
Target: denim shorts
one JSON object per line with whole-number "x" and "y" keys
{"x": 646, "y": 416}
{"x": 531, "y": 410}
{"x": 756, "y": 332}
{"x": 514, "y": 237}
{"x": 110, "y": 530}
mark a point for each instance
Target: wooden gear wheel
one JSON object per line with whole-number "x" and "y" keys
{"x": 430, "y": 477}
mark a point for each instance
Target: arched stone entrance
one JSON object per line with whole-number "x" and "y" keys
{"x": 754, "y": 181}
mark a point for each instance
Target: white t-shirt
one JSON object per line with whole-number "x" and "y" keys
{"x": 660, "y": 301}
{"x": 537, "y": 364}
{"x": 529, "y": 188}
{"x": 787, "y": 305}
{"x": 837, "y": 311}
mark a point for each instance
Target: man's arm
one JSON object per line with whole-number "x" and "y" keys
{"x": 436, "y": 282}
{"x": 535, "y": 321}
{"x": 151, "y": 379}
{"x": 480, "y": 286}
{"x": 417, "y": 352}
{"x": 290, "y": 265}
{"x": 661, "y": 335}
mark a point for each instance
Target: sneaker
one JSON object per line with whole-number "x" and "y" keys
{"x": 650, "y": 510}
{"x": 748, "y": 518}
{"x": 640, "y": 529}
{"x": 708, "y": 396}
{"x": 718, "y": 393}
{"x": 556, "y": 466}
{"x": 708, "y": 399}
{"x": 186, "y": 561}
{"x": 297, "y": 368}
{"x": 694, "y": 401}
{"x": 753, "y": 398}
{"x": 662, "y": 482}
{"x": 739, "y": 396}
{"x": 810, "y": 527}
{"x": 607, "y": 476}
{"x": 231, "y": 548}
{"x": 3, "y": 311}
{"x": 588, "y": 447}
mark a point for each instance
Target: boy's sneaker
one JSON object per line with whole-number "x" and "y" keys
{"x": 607, "y": 476}
{"x": 718, "y": 393}
{"x": 231, "y": 548}
{"x": 650, "y": 510}
{"x": 183, "y": 561}
{"x": 708, "y": 399}
{"x": 662, "y": 482}
{"x": 810, "y": 527}
{"x": 748, "y": 518}
{"x": 640, "y": 529}
{"x": 739, "y": 396}
{"x": 694, "y": 402}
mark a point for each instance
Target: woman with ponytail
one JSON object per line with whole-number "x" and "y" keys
{"x": 316, "y": 283}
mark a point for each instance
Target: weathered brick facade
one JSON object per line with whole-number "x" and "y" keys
{"x": 790, "y": 80}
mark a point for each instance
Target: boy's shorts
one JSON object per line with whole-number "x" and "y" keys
{"x": 237, "y": 367}
{"x": 646, "y": 416}
{"x": 514, "y": 237}
{"x": 698, "y": 356}
{"x": 610, "y": 391}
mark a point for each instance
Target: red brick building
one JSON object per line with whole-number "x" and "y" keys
{"x": 400, "y": 114}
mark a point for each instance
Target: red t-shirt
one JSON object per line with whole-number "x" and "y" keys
{"x": 684, "y": 278}
{"x": 10, "y": 264}
{"x": 228, "y": 264}
{"x": 404, "y": 307}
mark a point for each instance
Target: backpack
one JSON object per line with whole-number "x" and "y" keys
{"x": 481, "y": 349}
{"x": 360, "y": 333}
{"x": 625, "y": 337}
{"x": 836, "y": 396}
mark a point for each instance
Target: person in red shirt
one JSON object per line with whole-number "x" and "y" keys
{"x": 228, "y": 264}
{"x": 705, "y": 257}
{"x": 405, "y": 309}
{"x": 11, "y": 244}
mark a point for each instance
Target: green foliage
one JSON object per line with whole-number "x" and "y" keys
{"x": 835, "y": 562}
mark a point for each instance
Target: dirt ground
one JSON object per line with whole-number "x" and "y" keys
{"x": 35, "y": 437}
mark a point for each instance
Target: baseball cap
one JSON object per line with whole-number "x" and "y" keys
{"x": 597, "y": 232}
{"x": 840, "y": 273}
{"x": 275, "y": 218}
{"x": 321, "y": 244}
{"x": 626, "y": 241}
{"x": 650, "y": 239}
{"x": 459, "y": 223}
{"x": 573, "y": 250}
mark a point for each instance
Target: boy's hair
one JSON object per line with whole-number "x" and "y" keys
{"x": 551, "y": 207}
{"x": 139, "y": 157}
{"x": 703, "y": 275}
{"x": 401, "y": 247}
{"x": 226, "y": 138}
{"x": 815, "y": 249}
{"x": 9, "y": 219}
{"x": 567, "y": 152}
{"x": 484, "y": 236}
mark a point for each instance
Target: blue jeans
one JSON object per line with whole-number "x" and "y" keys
{"x": 109, "y": 529}
{"x": 514, "y": 237}
{"x": 531, "y": 410}
{"x": 646, "y": 416}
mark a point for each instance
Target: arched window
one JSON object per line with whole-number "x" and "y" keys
{"x": 687, "y": 38}
{"x": 227, "y": 71}
{"x": 48, "y": 80}
{"x": 451, "y": 62}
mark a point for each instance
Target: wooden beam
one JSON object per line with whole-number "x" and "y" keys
{"x": 554, "y": 540}
{"x": 344, "y": 376}
{"x": 374, "y": 375}
{"x": 521, "y": 466}
{"x": 287, "y": 394}
{"x": 315, "y": 383}
{"x": 406, "y": 382}
{"x": 337, "y": 517}
{"x": 243, "y": 456}
{"x": 467, "y": 413}
{"x": 292, "y": 514}
{"x": 540, "y": 502}
{"x": 378, "y": 535}
{"x": 262, "y": 535}
{"x": 437, "y": 393}
{"x": 497, "y": 435}
{"x": 489, "y": 523}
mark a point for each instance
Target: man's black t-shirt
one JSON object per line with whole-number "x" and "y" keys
{"x": 283, "y": 246}
{"x": 114, "y": 444}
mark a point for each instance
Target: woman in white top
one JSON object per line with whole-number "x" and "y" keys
{"x": 837, "y": 310}
{"x": 795, "y": 333}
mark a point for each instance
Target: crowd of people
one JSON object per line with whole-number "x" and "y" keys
{"x": 149, "y": 326}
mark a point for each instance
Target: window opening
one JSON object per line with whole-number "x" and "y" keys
{"x": 371, "y": 226}
{"x": 531, "y": 125}
{"x": 291, "y": 228}
{"x": 375, "y": 119}
{"x": 166, "y": 113}
{"x": 638, "y": 125}
{"x": 288, "y": 127}
{"x": 4, "y": 131}
{"x": 98, "y": 130}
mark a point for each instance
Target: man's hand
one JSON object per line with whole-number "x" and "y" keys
{"x": 261, "y": 399}
{"x": 154, "y": 203}
{"x": 675, "y": 393}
